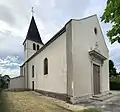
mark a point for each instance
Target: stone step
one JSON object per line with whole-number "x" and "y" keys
{"x": 103, "y": 97}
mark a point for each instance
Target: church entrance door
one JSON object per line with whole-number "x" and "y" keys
{"x": 96, "y": 79}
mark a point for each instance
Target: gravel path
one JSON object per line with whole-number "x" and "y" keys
{"x": 110, "y": 105}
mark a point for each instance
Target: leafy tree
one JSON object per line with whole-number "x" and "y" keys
{"x": 111, "y": 64}
{"x": 4, "y": 82}
{"x": 112, "y": 15}
{"x": 112, "y": 69}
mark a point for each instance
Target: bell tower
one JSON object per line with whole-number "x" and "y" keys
{"x": 33, "y": 40}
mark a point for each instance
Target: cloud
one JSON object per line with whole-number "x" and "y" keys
{"x": 72, "y": 8}
{"x": 95, "y": 7}
{"x": 9, "y": 64}
{"x": 10, "y": 44}
{"x": 113, "y": 48}
{"x": 7, "y": 15}
{"x": 50, "y": 16}
{"x": 15, "y": 17}
{"x": 115, "y": 55}
{"x": 11, "y": 53}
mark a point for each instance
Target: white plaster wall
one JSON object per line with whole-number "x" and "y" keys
{"x": 56, "y": 80}
{"x": 69, "y": 58}
{"x": 21, "y": 71}
{"x": 17, "y": 83}
{"x": 29, "y": 49}
{"x": 83, "y": 38}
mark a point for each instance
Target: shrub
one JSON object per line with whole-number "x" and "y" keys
{"x": 115, "y": 83}
{"x": 4, "y": 82}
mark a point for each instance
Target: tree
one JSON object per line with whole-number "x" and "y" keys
{"x": 4, "y": 81}
{"x": 112, "y": 15}
{"x": 112, "y": 69}
{"x": 111, "y": 64}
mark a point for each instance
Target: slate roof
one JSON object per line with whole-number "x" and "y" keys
{"x": 33, "y": 33}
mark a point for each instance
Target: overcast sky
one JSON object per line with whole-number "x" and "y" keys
{"x": 50, "y": 16}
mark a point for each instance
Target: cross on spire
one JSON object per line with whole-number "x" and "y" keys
{"x": 32, "y": 11}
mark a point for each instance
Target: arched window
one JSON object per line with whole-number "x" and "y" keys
{"x": 33, "y": 71}
{"x": 38, "y": 47}
{"x": 45, "y": 66}
{"x": 34, "y": 46}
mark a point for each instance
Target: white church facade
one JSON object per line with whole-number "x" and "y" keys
{"x": 72, "y": 65}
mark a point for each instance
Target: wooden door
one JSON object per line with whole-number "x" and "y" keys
{"x": 96, "y": 79}
{"x": 32, "y": 85}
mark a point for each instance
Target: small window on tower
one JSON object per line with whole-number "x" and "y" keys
{"x": 38, "y": 47}
{"x": 34, "y": 46}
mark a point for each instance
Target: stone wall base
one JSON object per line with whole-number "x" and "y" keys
{"x": 67, "y": 98}
{"x": 60, "y": 96}
{"x": 16, "y": 90}
{"x": 105, "y": 92}
{"x": 77, "y": 100}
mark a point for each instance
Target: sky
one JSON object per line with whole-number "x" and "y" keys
{"x": 50, "y": 16}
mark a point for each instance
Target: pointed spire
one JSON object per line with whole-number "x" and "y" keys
{"x": 33, "y": 33}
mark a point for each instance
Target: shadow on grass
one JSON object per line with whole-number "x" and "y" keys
{"x": 90, "y": 110}
{"x": 63, "y": 108}
{"x": 84, "y": 110}
{"x": 3, "y": 103}
{"x": 2, "y": 107}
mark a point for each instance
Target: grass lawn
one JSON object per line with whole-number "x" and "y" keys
{"x": 30, "y": 102}
{"x": 2, "y": 107}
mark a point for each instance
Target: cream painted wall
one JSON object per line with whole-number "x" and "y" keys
{"x": 69, "y": 59}
{"x": 56, "y": 80}
{"x": 29, "y": 49}
{"x": 84, "y": 38}
{"x": 69, "y": 64}
{"x": 17, "y": 83}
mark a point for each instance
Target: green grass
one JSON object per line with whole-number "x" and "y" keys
{"x": 28, "y": 102}
{"x": 114, "y": 90}
{"x": 1, "y": 104}
{"x": 2, "y": 107}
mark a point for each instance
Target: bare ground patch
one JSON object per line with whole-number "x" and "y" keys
{"x": 30, "y": 102}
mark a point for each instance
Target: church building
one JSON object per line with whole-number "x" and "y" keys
{"x": 71, "y": 66}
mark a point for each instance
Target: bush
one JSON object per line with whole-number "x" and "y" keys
{"x": 115, "y": 83}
